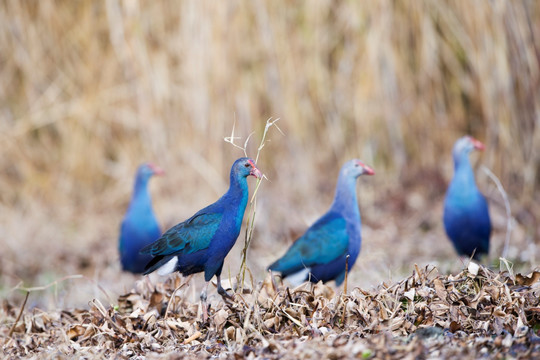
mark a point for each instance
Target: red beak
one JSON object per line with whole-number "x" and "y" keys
{"x": 368, "y": 170}
{"x": 156, "y": 169}
{"x": 477, "y": 144}
{"x": 256, "y": 172}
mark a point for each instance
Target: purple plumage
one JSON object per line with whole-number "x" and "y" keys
{"x": 321, "y": 253}
{"x": 466, "y": 216}
{"x": 139, "y": 226}
{"x": 202, "y": 242}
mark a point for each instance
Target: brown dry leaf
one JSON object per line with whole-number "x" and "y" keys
{"x": 493, "y": 291}
{"x": 324, "y": 290}
{"x": 230, "y": 333}
{"x": 269, "y": 323}
{"x": 304, "y": 322}
{"x": 220, "y": 318}
{"x": 528, "y": 280}
{"x": 454, "y": 326}
{"x": 156, "y": 299}
{"x": 440, "y": 290}
{"x": 75, "y": 331}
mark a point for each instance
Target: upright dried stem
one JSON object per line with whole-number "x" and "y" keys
{"x": 253, "y": 202}
{"x": 509, "y": 218}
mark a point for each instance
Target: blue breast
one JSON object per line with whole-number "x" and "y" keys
{"x": 139, "y": 228}
{"x": 466, "y": 216}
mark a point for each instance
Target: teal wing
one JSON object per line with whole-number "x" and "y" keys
{"x": 187, "y": 237}
{"x": 323, "y": 242}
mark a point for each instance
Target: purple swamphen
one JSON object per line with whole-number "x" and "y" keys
{"x": 466, "y": 217}
{"x": 321, "y": 253}
{"x": 202, "y": 242}
{"x": 139, "y": 227}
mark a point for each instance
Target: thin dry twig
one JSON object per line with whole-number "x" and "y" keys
{"x": 45, "y": 287}
{"x": 20, "y": 314}
{"x": 171, "y": 299}
{"x": 193, "y": 337}
{"x": 250, "y": 226}
{"x": 232, "y": 138}
{"x": 509, "y": 218}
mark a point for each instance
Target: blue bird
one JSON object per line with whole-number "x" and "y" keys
{"x": 321, "y": 253}
{"x": 466, "y": 217}
{"x": 202, "y": 242}
{"x": 139, "y": 227}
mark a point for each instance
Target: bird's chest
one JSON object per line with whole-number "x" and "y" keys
{"x": 226, "y": 235}
{"x": 355, "y": 239}
{"x": 462, "y": 199}
{"x": 141, "y": 221}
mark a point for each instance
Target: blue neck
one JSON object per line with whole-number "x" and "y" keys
{"x": 141, "y": 200}
{"x": 237, "y": 196}
{"x": 463, "y": 172}
{"x": 345, "y": 201}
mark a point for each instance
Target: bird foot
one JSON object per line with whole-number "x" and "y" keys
{"x": 221, "y": 291}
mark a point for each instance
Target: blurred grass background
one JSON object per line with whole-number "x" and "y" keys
{"x": 88, "y": 90}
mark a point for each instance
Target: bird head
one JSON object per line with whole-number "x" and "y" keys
{"x": 246, "y": 167}
{"x": 357, "y": 168}
{"x": 148, "y": 169}
{"x": 466, "y": 144}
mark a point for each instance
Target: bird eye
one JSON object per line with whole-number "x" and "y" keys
{"x": 247, "y": 165}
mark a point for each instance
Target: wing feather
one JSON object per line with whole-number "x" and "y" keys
{"x": 323, "y": 242}
{"x": 190, "y": 236}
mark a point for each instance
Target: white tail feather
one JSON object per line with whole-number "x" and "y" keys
{"x": 168, "y": 267}
{"x": 299, "y": 277}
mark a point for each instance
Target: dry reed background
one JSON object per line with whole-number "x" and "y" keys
{"x": 88, "y": 90}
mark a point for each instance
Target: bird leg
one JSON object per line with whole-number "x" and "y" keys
{"x": 221, "y": 291}
{"x": 203, "y": 303}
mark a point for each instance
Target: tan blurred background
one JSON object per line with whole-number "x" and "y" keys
{"x": 89, "y": 90}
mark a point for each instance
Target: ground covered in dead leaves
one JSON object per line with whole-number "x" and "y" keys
{"x": 476, "y": 313}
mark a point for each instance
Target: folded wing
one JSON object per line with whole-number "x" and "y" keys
{"x": 187, "y": 237}
{"x": 323, "y": 242}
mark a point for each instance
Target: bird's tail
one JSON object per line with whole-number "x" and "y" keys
{"x": 154, "y": 264}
